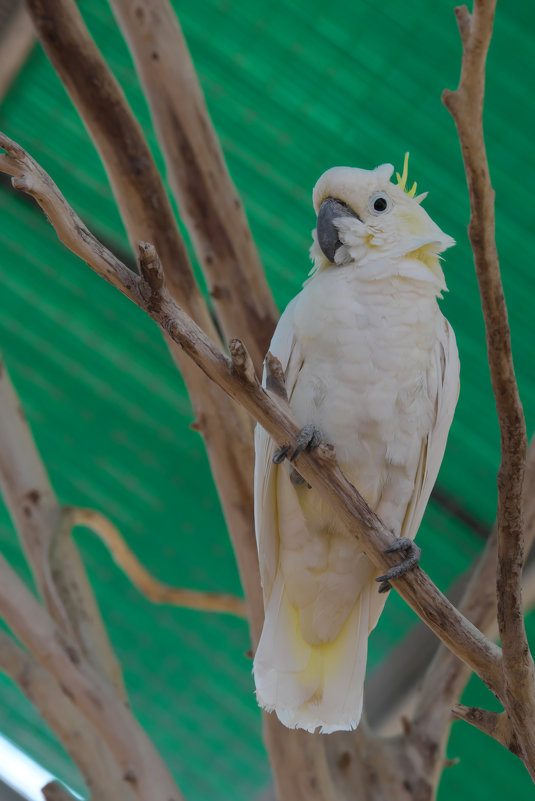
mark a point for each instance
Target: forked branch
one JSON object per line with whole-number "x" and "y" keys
{"x": 207, "y": 199}
{"x": 319, "y": 468}
{"x": 466, "y": 107}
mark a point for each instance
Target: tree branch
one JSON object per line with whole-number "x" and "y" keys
{"x": 196, "y": 169}
{"x": 318, "y": 468}
{"x": 156, "y": 591}
{"x": 139, "y": 763}
{"x": 147, "y": 215}
{"x": 36, "y": 514}
{"x": 466, "y": 107}
{"x": 495, "y": 724}
{"x": 87, "y": 749}
{"x": 15, "y": 44}
{"x": 117, "y": 135}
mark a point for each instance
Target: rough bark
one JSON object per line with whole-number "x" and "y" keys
{"x": 466, "y": 106}
{"x": 147, "y": 215}
{"x": 86, "y": 748}
{"x": 196, "y": 169}
{"x": 236, "y": 376}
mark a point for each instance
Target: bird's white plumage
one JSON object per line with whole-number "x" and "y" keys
{"x": 370, "y": 361}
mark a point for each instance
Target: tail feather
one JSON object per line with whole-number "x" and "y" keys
{"x": 311, "y": 686}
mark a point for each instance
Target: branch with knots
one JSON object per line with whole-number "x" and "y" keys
{"x": 167, "y": 291}
{"x": 236, "y": 376}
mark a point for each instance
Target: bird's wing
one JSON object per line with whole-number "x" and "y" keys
{"x": 284, "y": 346}
{"x": 445, "y": 389}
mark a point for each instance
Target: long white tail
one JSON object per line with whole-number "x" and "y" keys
{"x": 311, "y": 686}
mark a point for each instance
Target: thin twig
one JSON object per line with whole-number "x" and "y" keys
{"x": 447, "y": 676}
{"x": 466, "y": 107}
{"x": 495, "y": 724}
{"x": 275, "y": 380}
{"x": 196, "y": 169}
{"x": 319, "y": 468}
{"x": 156, "y": 591}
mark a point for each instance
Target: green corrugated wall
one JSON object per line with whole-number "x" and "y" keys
{"x": 293, "y": 88}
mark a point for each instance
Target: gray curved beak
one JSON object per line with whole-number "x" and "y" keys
{"x": 328, "y": 238}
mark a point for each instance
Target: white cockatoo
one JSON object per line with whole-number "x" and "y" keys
{"x": 371, "y": 365}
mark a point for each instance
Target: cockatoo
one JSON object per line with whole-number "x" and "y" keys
{"x": 371, "y": 365}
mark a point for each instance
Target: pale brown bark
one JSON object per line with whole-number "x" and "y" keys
{"x": 237, "y": 378}
{"x": 86, "y": 748}
{"x": 307, "y": 767}
{"x": 147, "y": 215}
{"x": 466, "y": 107}
{"x": 36, "y": 514}
{"x": 94, "y": 696}
{"x": 16, "y": 42}
{"x": 207, "y": 199}
{"x": 496, "y": 724}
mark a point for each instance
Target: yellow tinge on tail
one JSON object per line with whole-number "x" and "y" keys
{"x": 371, "y": 364}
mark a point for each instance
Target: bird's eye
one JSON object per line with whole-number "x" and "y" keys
{"x": 379, "y": 203}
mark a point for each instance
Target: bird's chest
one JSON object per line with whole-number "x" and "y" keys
{"x": 367, "y": 353}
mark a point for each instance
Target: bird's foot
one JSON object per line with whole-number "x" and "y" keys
{"x": 412, "y": 557}
{"x": 280, "y": 454}
{"x": 308, "y": 438}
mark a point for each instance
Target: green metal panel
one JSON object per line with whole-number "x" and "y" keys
{"x": 293, "y": 88}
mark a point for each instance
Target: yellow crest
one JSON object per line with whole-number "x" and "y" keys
{"x": 402, "y": 179}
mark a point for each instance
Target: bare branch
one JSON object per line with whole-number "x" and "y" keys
{"x": 275, "y": 379}
{"x": 36, "y": 513}
{"x": 15, "y": 45}
{"x": 321, "y": 471}
{"x": 478, "y": 604}
{"x": 495, "y": 724}
{"x": 229, "y": 442}
{"x": 243, "y": 364}
{"x": 196, "y": 169}
{"x": 87, "y": 749}
{"x": 117, "y": 135}
{"x": 466, "y": 107}
{"x": 150, "y": 587}
{"x": 148, "y": 217}
{"x": 130, "y": 747}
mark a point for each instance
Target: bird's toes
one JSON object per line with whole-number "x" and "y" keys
{"x": 280, "y": 455}
{"x": 385, "y": 586}
{"x": 401, "y": 544}
{"x": 413, "y": 553}
{"x": 308, "y": 438}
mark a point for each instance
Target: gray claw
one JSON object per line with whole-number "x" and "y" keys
{"x": 308, "y": 438}
{"x": 385, "y": 586}
{"x": 297, "y": 479}
{"x": 280, "y": 455}
{"x": 401, "y": 544}
{"x": 410, "y": 561}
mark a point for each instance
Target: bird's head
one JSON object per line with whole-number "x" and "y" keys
{"x": 364, "y": 218}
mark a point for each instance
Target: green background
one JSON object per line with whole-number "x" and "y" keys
{"x": 293, "y": 88}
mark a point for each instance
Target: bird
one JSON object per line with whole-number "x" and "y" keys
{"x": 371, "y": 367}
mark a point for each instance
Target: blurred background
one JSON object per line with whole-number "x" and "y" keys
{"x": 293, "y": 88}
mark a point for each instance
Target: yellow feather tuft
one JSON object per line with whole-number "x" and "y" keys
{"x": 402, "y": 179}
